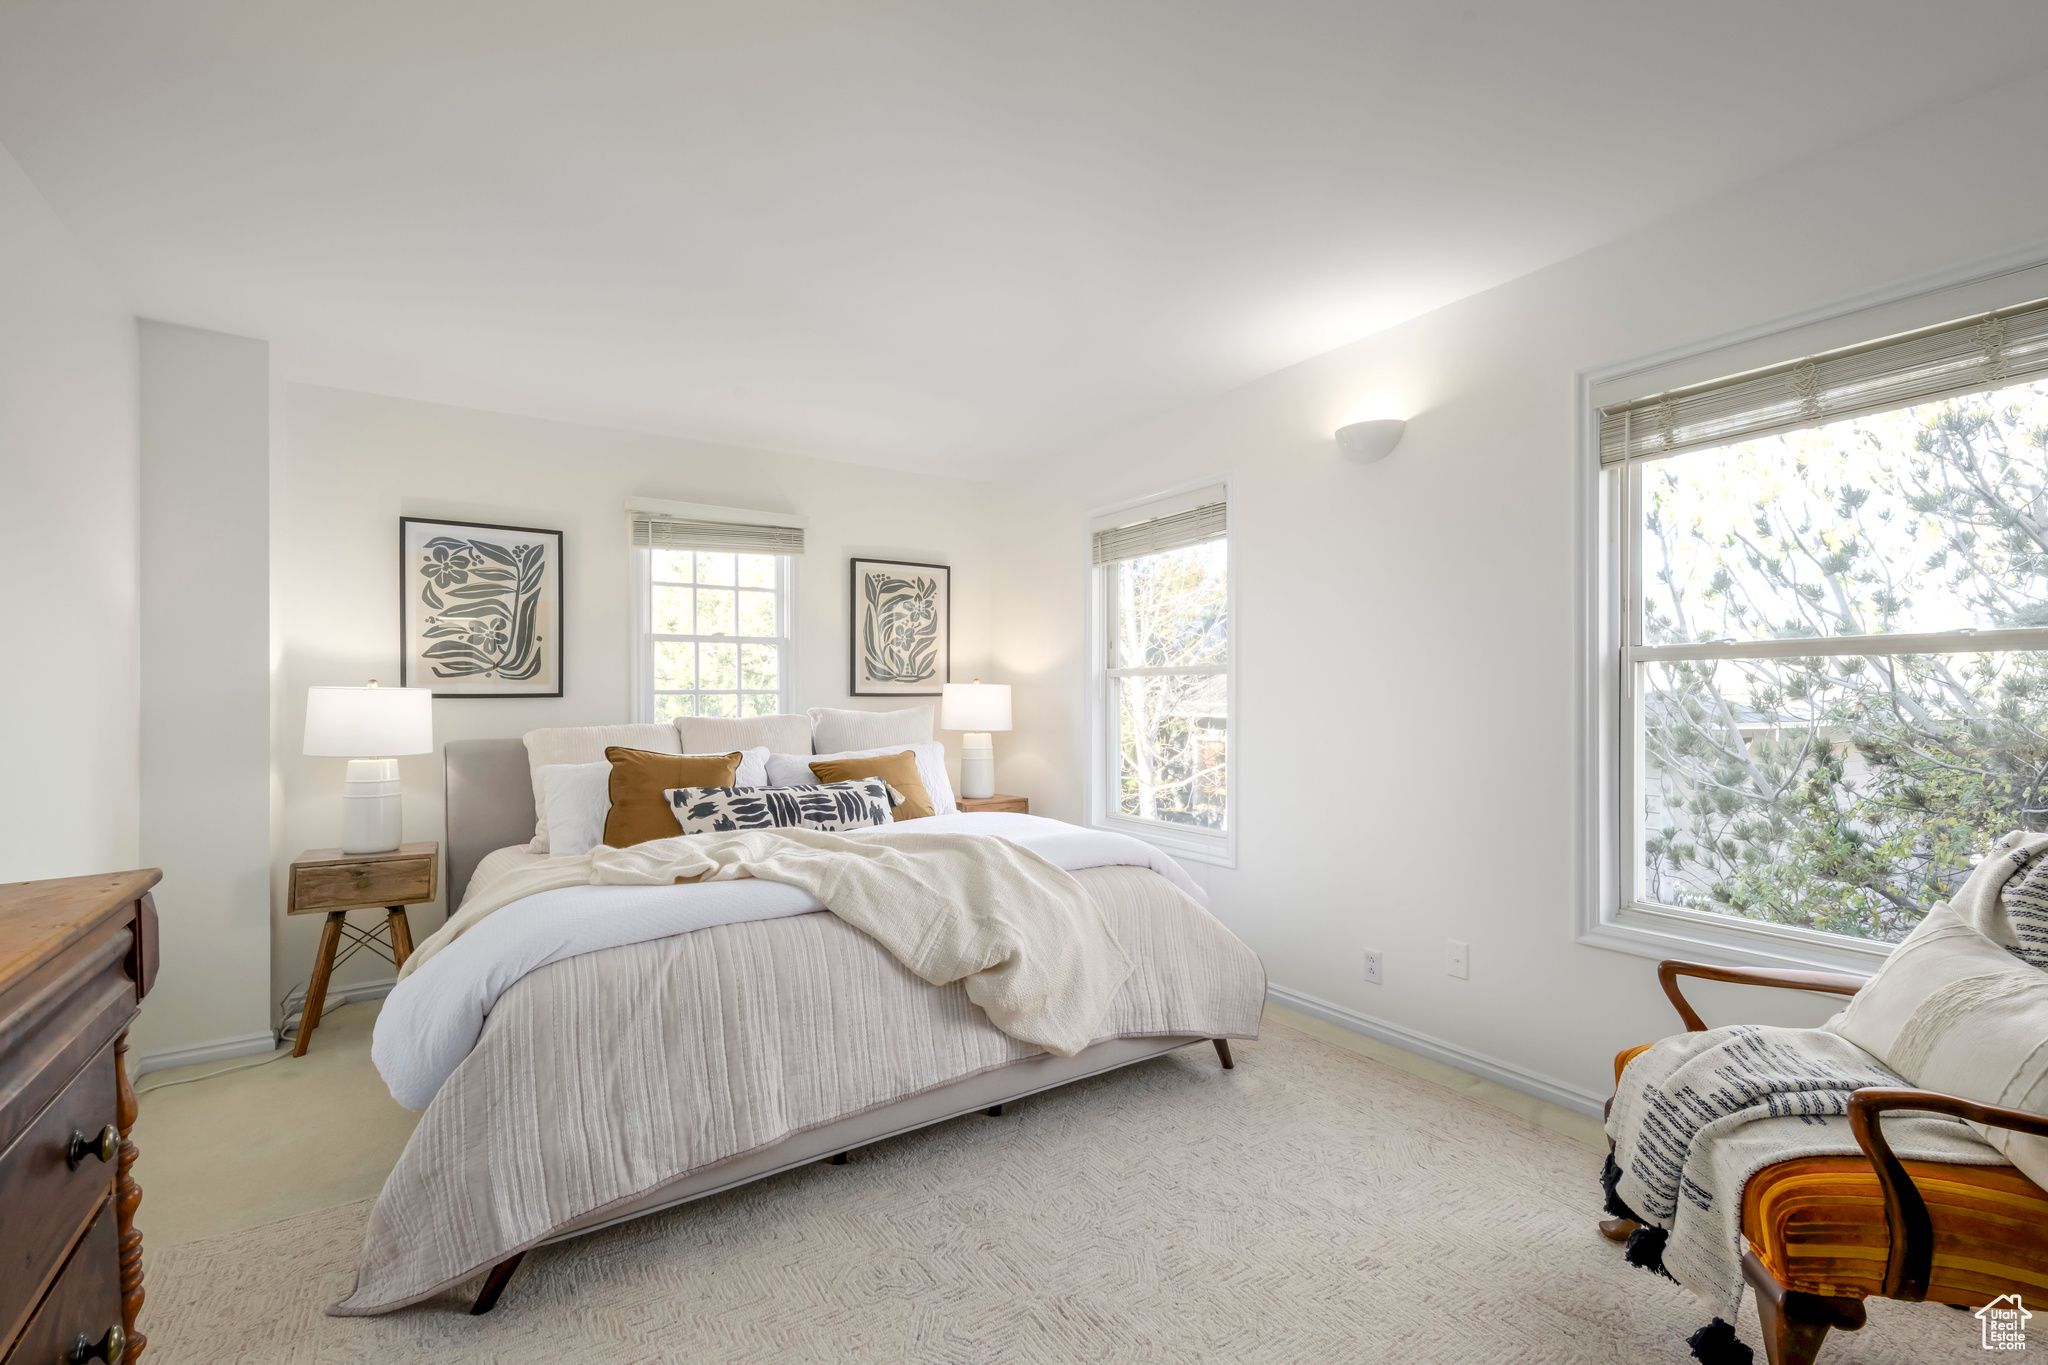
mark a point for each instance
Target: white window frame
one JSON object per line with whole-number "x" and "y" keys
{"x": 644, "y": 637}
{"x": 1606, "y": 912}
{"x": 1101, "y": 763}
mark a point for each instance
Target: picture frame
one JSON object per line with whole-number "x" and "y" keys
{"x": 900, "y": 628}
{"x": 480, "y": 608}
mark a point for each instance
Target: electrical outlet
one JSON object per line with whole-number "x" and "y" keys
{"x": 1460, "y": 963}
{"x": 1372, "y": 966}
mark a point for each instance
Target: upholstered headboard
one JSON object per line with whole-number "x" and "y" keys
{"x": 489, "y": 804}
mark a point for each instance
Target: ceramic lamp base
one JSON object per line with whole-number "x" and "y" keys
{"x": 371, "y": 820}
{"x": 977, "y": 765}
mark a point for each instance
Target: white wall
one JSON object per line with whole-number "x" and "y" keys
{"x": 353, "y": 463}
{"x": 206, "y": 687}
{"x": 1408, "y": 635}
{"x": 69, "y": 488}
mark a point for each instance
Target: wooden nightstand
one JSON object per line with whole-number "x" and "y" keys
{"x": 1019, "y": 805}
{"x": 328, "y": 881}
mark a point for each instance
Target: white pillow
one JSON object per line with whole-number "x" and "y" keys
{"x": 794, "y": 770}
{"x": 1954, "y": 1012}
{"x": 719, "y": 735}
{"x": 580, "y": 797}
{"x": 586, "y": 744}
{"x": 839, "y": 731}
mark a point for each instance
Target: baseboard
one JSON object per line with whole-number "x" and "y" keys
{"x": 218, "y": 1050}
{"x": 337, "y": 996}
{"x": 1437, "y": 1050}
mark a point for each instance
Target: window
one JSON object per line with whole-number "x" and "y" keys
{"x": 1830, "y": 596}
{"x": 714, "y": 614}
{"x": 1165, "y": 680}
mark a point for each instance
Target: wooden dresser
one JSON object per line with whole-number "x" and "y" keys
{"x": 76, "y": 957}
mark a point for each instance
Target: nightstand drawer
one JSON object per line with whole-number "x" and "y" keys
{"x": 351, "y": 886}
{"x": 999, "y": 804}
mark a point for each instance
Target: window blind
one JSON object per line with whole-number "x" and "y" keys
{"x": 717, "y": 537}
{"x": 1175, "y": 531}
{"x": 1986, "y": 352}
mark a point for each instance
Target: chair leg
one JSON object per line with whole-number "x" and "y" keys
{"x": 1795, "y": 1324}
{"x": 1223, "y": 1052}
{"x": 1618, "y": 1229}
{"x": 494, "y": 1284}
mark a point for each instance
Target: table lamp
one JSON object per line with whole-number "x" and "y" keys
{"x": 363, "y": 725}
{"x": 977, "y": 708}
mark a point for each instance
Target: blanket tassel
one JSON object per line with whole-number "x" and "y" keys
{"x": 1717, "y": 1344}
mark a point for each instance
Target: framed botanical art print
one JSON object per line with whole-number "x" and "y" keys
{"x": 901, "y": 641}
{"x": 480, "y": 609}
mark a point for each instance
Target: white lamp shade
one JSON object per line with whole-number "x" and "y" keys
{"x": 369, "y": 722}
{"x": 975, "y": 706}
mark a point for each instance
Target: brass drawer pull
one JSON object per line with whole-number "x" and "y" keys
{"x": 106, "y": 1145}
{"x": 109, "y": 1348}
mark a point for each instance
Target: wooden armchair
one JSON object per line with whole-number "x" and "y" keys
{"x": 1825, "y": 1233}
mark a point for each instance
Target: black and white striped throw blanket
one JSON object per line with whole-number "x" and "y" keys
{"x": 1697, "y": 1115}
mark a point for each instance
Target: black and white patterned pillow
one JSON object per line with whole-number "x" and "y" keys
{"x": 860, "y": 804}
{"x": 2025, "y": 897}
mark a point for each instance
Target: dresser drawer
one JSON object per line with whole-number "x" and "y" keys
{"x": 83, "y": 1304}
{"x": 44, "y": 1200}
{"x": 352, "y": 886}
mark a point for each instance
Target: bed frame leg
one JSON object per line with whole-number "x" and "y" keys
{"x": 494, "y": 1284}
{"x": 996, "y": 1112}
{"x": 1223, "y": 1053}
{"x": 839, "y": 1160}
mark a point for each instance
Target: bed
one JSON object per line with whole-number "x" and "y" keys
{"x": 609, "y": 1084}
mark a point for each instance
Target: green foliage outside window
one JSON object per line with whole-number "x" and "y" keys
{"x": 1845, "y": 793}
{"x": 1170, "y": 613}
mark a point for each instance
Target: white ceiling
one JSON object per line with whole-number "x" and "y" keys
{"x": 912, "y": 232}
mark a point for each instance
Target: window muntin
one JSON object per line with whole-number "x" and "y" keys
{"x": 717, "y": 633}
{"x": 1168, "y": 688}
{"x": 1835, "y": 690}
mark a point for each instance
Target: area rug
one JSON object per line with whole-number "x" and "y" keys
{"x": 1311, "y": 1205}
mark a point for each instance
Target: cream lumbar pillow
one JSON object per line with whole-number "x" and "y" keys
{"x": 719, "y": 734}
{"x": 837, "y": 731}
{"x": 1955, "y": 1012}
{"x": 584, "y": 744}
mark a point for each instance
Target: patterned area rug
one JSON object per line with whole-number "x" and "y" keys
{"x": 1311, "y": 1205}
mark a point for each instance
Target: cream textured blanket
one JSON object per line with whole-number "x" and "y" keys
{"x": 1033, "y": 950}
{"x": 608, "y": 1075}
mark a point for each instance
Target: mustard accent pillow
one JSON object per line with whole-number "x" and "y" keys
{"x": 639, "y": 778}
{"x": 898, "y": 770}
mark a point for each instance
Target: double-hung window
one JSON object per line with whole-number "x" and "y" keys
{"x": 714, "y": 606}
{"x": 1162, "y": 705}
{"x": 1827, "y": 594}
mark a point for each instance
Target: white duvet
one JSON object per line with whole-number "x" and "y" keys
{"x": 433, "y": 1018}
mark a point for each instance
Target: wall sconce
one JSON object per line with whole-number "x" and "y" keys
{"x": 1365, "y": 442}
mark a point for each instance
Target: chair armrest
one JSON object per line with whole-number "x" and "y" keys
{"x": 1911, "y": 1261}
{"x": 1669, "y": 972}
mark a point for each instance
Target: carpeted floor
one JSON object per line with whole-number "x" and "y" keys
{"x": 1312, "y": 1205}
